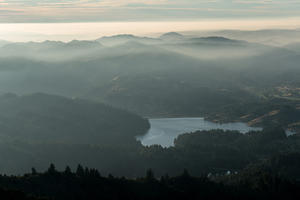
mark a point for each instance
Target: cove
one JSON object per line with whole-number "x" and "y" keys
{"x": 163, "y": 131}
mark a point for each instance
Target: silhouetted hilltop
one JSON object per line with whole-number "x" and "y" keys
{"x": 50, "y": 46}
{"x": 121, "y": 39}
{"x": 171, "y": 36}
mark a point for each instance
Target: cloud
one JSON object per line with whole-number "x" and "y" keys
{"x": 120, "y": 10}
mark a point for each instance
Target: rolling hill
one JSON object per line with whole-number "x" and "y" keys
{"x": 49, "y": 118}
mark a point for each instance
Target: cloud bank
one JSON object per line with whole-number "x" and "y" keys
{"x": 142, "y": 10}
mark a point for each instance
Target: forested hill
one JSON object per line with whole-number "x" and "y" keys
{"x": 49, "y": 118}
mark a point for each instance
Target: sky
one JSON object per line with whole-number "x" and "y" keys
{"x": 32, "y": 11}
{"x": 39, "y": 20}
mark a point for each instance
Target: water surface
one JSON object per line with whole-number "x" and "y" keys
{"x": 163, "y": 131}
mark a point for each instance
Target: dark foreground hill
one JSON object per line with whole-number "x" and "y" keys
{"x": 88, "y": 184}
{"x": 49, "y": 118}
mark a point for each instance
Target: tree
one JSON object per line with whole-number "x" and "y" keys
{"x": 80, "y": 171}
{"x": 33, "y": 171}
{"x": 68, "y": 171}
{"x": 110, "y": 176}
{"x": 185, "y": 173}
{"x": 164, "y": 179}
{"x": 150, "y": 175}
{"x": 51, "y": 169}
{"x": 95, "y": 173}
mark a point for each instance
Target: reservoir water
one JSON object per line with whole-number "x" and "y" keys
{"x": 163, "y": 131}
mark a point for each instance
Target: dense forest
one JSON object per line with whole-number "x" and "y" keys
{"x": 38, "y": 129}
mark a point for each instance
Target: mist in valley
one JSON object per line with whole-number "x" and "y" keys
{"x": 87, "y": 101}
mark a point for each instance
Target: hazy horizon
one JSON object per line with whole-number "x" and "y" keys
{"x": 24, "y": 32}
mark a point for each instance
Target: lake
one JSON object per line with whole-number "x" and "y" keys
{"x": 163, "y": 131}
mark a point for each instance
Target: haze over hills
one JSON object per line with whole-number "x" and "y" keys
{"x": 273, "y": 37}
{"x": 121, "y": 39}
{"x": 149, "y": 100}
{"x": 3, "y": 42}
{"x": 219, "y": 78}
{"x": 50, "y": 50}
{"x": 172, "y": 75}
{"x": 294, "y": 47}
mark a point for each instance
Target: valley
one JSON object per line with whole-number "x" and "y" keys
{"x": 149, "y": 99}
{"x": 125, "y": 104}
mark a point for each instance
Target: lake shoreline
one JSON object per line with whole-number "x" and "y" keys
{"x": 163, "y": 131}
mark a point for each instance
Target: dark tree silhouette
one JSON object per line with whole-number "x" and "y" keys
{"x": 80, "y": 171}
{"x": 52, "y": 169}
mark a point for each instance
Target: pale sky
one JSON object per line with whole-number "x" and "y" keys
{"x": 29, "y": 11}
{"x": 38, "y": 20}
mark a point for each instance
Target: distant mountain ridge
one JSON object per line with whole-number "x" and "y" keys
{"x": 273, "y": 37}
{"x": 51, "y": 45}
{"x": 50, "y": 50}
{"x": 123, "y": 38}
{"x": 171, "y": 36}
{"x": 108, "y": 41}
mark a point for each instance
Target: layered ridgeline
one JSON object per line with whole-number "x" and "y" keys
{"x": 172, "y": 75}
{"x": 39, "y": 129}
